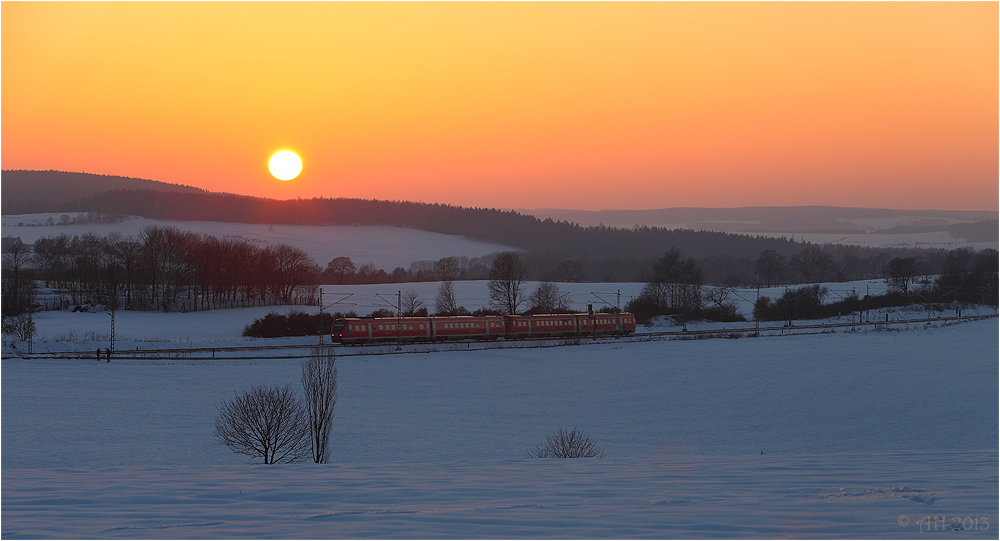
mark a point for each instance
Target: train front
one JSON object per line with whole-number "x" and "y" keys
{"x": 337, "y": 332}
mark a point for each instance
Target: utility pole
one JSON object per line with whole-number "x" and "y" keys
{"x": 756, "y": 316}
{"x": 112, "y": 314}
{"x": 399, "y": 319}
{"x": 321, "y": 316}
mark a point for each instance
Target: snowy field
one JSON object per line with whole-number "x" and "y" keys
{"x": 889, "y": 434}
{"x": 869, "y": 434}
{"x": 386, "y": 247}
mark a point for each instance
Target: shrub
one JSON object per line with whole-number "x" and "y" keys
{"x": 295, "y": 323}
{"x": 572, "y": 444}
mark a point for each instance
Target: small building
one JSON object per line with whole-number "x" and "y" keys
{"x": 10, "y": 244}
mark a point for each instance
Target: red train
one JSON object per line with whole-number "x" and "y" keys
{"x": 437, "y": 329}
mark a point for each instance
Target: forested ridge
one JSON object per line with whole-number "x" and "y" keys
{"x": 492, "y": 225}
{"x": 553, "y": 249}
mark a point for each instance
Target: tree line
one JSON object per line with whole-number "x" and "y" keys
{"x": 676, "y": 286}
{"x": 162, "y": 268}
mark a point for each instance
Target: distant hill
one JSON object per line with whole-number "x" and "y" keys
{"x": 28, "y": 192}
{"x": 806, "y": 219}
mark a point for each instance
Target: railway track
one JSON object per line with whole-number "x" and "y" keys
{"x": 304, "y": 351}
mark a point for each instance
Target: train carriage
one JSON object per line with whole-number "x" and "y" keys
{"x": 354, "y": 330}
{"x": 552, "y": 325}
{"x": 467, "y": 328}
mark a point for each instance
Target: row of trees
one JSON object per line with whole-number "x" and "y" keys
{"x": 342, "y": 270}
{"x": 165, "y": 268}
{"x": 812, "y": 264}
{"x": 675, "y": 285}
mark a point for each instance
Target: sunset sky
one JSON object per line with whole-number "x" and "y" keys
{"x": 524, "y": 105}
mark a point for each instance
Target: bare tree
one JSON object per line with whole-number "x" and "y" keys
{"x": 21, "y": 327}
{"x": 770, "y": 266}
{"x": 900, "y": 272}
{"x": 319, "y": 381}
{"x": 444, "y": 302}
{"x": 340, "y": 270}
{"x": 813, "y": 264}
{"x": 265, "y": 422}
{"x": 367, "y": 272}
{"x": 547, "y": 299}
{"x": 18, "y": 282}
{"x": 411, "y": 303}
{"x": 506, "y": 285}
{"x": 675, "y": 285}
{"x": 568, "y": 271}
{"x": 722, "y": 299}
{"x": 447, "y": 269}
{"x": 571, "y": 444}
{"x": 292, "y": 268}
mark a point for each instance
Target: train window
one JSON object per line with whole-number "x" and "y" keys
{"x": 421, "y": 326}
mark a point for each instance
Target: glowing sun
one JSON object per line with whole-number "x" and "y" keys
{"x": 285, "y": 165}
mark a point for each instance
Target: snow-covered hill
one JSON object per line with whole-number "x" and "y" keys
{"x": 386, "y": 247}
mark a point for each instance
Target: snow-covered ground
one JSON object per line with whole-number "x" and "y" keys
{"x": 867, "y": 434}
{"x": 67, "y": 331}
{"x": 386, "y": 247}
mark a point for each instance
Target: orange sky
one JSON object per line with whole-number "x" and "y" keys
{"x": 565, "y": 105}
